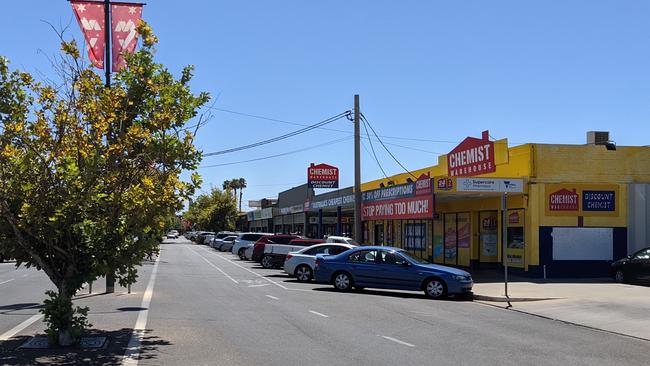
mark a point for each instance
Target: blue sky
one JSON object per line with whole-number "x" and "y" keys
{"x": 531, "y": 71}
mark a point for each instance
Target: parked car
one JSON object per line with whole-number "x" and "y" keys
{"x": 200, "y": 239}
{"x": 634, "y": 268}
{"x": 172, "y": 234}
{"x": 227, "y": 243}
{"x": 341, "y": 240}
{"x": 300, "y": 264}
{"x": 258, "y": 248}
{"x": 189, "y": 234}
{"x": 275, "y": 251}
{"x": 390, "y": 268}
{"x": 218, "y": 238}
{"x": 244, "y": 241}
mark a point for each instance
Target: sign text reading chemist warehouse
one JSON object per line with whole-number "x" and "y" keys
{"x": 472, "y": 157}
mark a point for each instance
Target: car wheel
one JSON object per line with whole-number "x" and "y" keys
{"x": 241, "y": 253}
{"x": 267, "y": 262}
{"x": 619, "y": 276}
{"x": 342, "y": 281}
{"x": 435, "y": 288}
{"x": 303, "y": 273}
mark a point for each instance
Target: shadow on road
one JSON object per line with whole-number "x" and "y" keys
{"x": 111, "y": 354}
{"x": 401, "y": 295}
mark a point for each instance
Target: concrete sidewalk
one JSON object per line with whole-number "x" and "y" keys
{"x": 600, "y": 303}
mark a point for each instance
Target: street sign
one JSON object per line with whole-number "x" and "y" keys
{"x": 322, "y": 176}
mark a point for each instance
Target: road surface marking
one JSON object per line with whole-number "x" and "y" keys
{"x": 255, "y": 273}
{"x": 272, "y": 297}
{"x": 13, "y": 331}
{"x": 398, "y": 341}
{"x": 260, "y": 285}
{"x": 217, "y": 268}
{"x": 319, "y": 314}
{"x": 132, "y": 353}
{"x": 7, "y": 281}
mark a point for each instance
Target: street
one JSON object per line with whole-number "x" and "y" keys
{"x": 210, "y": 308}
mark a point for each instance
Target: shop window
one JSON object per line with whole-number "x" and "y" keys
{"x": 450, "y": 233}
{"x": 415, "y": 236}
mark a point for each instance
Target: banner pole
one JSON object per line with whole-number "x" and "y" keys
{"x": 107, "y": 42}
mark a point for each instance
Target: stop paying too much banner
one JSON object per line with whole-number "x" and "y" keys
{"x": 404, "y": 201}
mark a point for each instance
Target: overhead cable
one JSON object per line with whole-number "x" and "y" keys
{"x": 386, "y": 148}
{"x": 281, "y": 137}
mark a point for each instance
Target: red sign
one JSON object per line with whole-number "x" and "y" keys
{"x": 423, "y": 185}
{"x": 513, "y": 218}
{"x": 90, "y": 16}
{"x": 322, "y": 176}
{"x": 445, "y": 184}
{"x": 418, "y": 207}
{"x": 563, "y": 200}
{"x": 472, "y": 157}
{"x": 124, "y": 21}
{"x": 489, "y": 223}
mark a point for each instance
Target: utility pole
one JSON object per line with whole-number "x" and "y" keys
{"x": 504, "y": 239}
{"x": 358, "y": 225}
{"x": 110, "y": 277}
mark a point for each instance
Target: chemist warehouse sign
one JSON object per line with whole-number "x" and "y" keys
{"x": 582, "y": 200}
{"x": 472, "y": 157}
{"x": 403, "y": 201}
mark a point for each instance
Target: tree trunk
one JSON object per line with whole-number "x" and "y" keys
{"x": 241, "y": 192}
{"x": 110, "y": 283}
{"x": 64, "y": 316}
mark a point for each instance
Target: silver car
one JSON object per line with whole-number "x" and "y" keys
{"x": 245, "y": 240}
{"x": 301, "y": 263}
{"x": 227, "y": 243}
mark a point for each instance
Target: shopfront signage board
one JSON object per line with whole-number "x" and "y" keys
{"x": 478, "y": 185}
{"x": 403, "y": 201}
{"x": 472, "y": 157}
{"x": 322, "y": 176}
{"x": 566, "y": 199}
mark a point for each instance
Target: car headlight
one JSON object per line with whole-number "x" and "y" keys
{"x": 461, "y": 278}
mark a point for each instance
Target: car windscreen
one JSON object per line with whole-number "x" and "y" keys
{"x": 251, "y": 237}
{"x": 221, "y": 236}
{"x": 411, "y": 258}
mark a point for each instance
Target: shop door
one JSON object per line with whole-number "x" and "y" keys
{"x": 451, "y": 243}
{"x": 379, "y": 234}
{"x": 488, "y": 236}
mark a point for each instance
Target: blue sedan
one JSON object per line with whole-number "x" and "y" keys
{"x": 390, "y": 268}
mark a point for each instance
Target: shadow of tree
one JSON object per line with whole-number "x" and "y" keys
{"x": 111, "y": 354}
{"x": 401, "y": 295}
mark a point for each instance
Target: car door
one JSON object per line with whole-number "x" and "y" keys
{"x": 395, "y": 271}
{"x": 639, "y": 266}
{"x": 363, "y": 267}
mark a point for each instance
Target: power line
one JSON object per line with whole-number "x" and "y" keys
{"x": 336, "y": 130}
{"x": 281, "y": 137}
{"x": 388, "y": 151}
{"x": 278, "y": 155}
{"x": 373, "y": 150}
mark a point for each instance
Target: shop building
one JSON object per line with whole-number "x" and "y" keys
{"x": 578, "y": 207}
{"x": 331, "y": 213}
{"x": 261, "y": 218}
{"x": 291, "y": 216}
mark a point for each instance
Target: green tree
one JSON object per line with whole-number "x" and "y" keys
{"x": 215, "y": 211}
{"x": 88, "y": 174}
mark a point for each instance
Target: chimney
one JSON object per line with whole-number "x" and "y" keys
{"x": 597, "y": 137}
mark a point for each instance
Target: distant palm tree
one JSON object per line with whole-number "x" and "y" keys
{"x": 241, "y": 183}
{"x": 229, "y": 185}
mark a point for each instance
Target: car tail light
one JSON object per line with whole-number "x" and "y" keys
{"x": 289, "y": 256}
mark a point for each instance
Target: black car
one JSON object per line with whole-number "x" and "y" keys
{"x": 634, "y": 268}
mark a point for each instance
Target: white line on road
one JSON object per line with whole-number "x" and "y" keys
{"x": 132, "y": 353}
{"x": 255, "y": 273}
{"x": 217, "y": 268}
{"x": 272, "y": 297}
{"x": 7, "y": 281}
{"x": 319, "y": 314}
{"x": 260, "y": 285}
{"x": 13, "y": 331}
{"x": 398, "y": 341}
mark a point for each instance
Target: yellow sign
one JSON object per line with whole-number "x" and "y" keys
{"x": 566, "y": 199}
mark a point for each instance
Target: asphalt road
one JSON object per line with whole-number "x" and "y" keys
{"x": 210, "y": 308}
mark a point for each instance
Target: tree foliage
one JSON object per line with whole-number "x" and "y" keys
{"x": 215, "y": 211}
{"x": 89, "y": 175}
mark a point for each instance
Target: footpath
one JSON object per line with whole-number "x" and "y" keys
{"x": 595, "y": 303}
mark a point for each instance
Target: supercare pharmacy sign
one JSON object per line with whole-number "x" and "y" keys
{"x": 567, "y": 199}
{"x": 403, "y": 201}
{"x": 472, "y": 157}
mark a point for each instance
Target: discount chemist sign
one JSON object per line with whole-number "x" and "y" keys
{"x": 404, "y": 201}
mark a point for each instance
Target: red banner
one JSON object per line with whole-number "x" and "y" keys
{"x": 472, "y": 157}
{"x": 322, "y": 176}
{"x": 124, "y": 21}
{"x": 90, "y": 16}
{"x": 418, "y": 207}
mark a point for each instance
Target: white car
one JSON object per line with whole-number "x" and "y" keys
{"x": 218, "y": 238}
{"x": 301, "y": 263}
{"x": 245, "y": 240}
{"x": 172, "y": 234}
{"x": 341, "y": 240}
